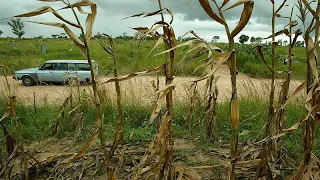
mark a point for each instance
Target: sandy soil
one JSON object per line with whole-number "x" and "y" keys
{"x": 140, "y": 89}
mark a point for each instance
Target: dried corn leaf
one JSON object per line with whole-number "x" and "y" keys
{"x": 83, "y": 150}
{"x": 313, "y": 57}
{"x": 292, "y": 24}
{"x": 224, "y": 3}
{"x": 281, "y": 6}
{"x": 44, "y": 10}
{"x": 284, "y": 31}
{"x": 90, "y": 21}
{"x": 207, "y": 8}
{"x": 237, "y": 3}
{"x": 132, "y": 75}
{"x": 147, "y": 14}
{"x": 75, "y": 39}
{"x": 91, "y": 16}
{"x": 295, "y": 92}
{"x": 218, "y": 60}
{"x": 259, "y": 49}
{"x": 195, "y": 43}
{"x": 189, "y": 32}
{"x": 245, "y": 17}
{"x": 159, "y": 42}
{"x": 158, "y": 106}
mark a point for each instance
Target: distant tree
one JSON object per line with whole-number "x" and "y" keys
{"x": 125, "y": 35}
{"x": 215, "y": 39}
{"x": 252, "y": 39}
{"x": 258, "y": 40}
{"x": 299, "y": 43}
{"x": 243, "y": 38}
{"x": 17, "y": 27}
{"x": 39, "y": 37}
{"x": 1, "y": 32}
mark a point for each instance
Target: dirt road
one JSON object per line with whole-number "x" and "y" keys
{"x": 140, "y": 89}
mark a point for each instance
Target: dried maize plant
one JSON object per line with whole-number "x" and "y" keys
{"x": 308, "y": 168}
{"x": 192, "y": 95}
{"x": 163, "y": 168}
{"x": 211, "y": 90}
{"x": 280, "y": 115}
{"x": 234, "y": 104}
{"x": 210, "y": 111}
{"x": 269, "y": 152}
{"x": 82, "y": 45}
{"x": 14, "y": 146}
{"x": 118, "y": 136}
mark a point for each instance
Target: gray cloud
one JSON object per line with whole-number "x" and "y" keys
{"x": 110, "y": 12}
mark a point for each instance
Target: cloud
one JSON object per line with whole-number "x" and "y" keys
{"x": 188, "y": 15}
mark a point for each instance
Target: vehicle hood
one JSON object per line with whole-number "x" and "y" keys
{"x": 30, "y": 70}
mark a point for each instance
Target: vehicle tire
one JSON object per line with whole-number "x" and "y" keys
{"x": 27, "y": 81}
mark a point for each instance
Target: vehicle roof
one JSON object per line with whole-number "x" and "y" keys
{"x": 68, "y": 61}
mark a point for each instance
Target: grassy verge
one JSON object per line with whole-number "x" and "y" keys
{"x": 38, "y": 126}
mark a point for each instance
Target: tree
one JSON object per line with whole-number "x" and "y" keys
{"x": 17, "y": 27}
{"x": 215, "y": 39}
{"x": 252, "y": 40}
{"x": 1, "y": 32}
{"x": 243, "y": 38}
{"x": 258, "y": 40}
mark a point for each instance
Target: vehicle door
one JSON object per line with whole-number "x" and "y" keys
{"x": 83, "y": 70}
{"x": 60, "y": 73}
{"x": 45, "y": 73}
{"x": 72, "y": 71}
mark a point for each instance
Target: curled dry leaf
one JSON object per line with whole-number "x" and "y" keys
{"x": 85, "y": 147}
{"x": 207, "y": 8}
{"x": 259, "y": 49}
{"x": 245, "y": 16}
{"x": 313, "y": 57}
{"x": 189, "y": 32}
{"x": 91, "y": 16}
{"x": 295, "y": 92}
{"x": 159, "y": 42}
{"x": 147, "y": 14}
{"x": 74, "y": 37}
{"x": 44, "y": 10}
{"x": 284, "y": 31}
{"x": 132, "y": 75}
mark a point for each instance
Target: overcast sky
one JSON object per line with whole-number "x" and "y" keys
{"x": 188, "y": 16}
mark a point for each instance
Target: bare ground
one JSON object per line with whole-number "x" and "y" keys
{"x": 140, "y": 89}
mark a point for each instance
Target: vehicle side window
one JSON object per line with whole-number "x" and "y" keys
{"x": 60, "y": 66}
{"x": 82, "y": 67}
{"x": 47, "y": 66}
{"x": 71, "y": 67}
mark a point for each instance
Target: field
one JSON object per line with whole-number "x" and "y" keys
{"x": 165, "y": 109}
{"x": 26, "y": 53}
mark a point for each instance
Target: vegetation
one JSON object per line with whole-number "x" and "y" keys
{"x": 17, "y": 27}
{"x": 263, "y": 130}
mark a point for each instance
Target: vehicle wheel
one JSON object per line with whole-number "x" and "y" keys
{"x": 28, "y": 81}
